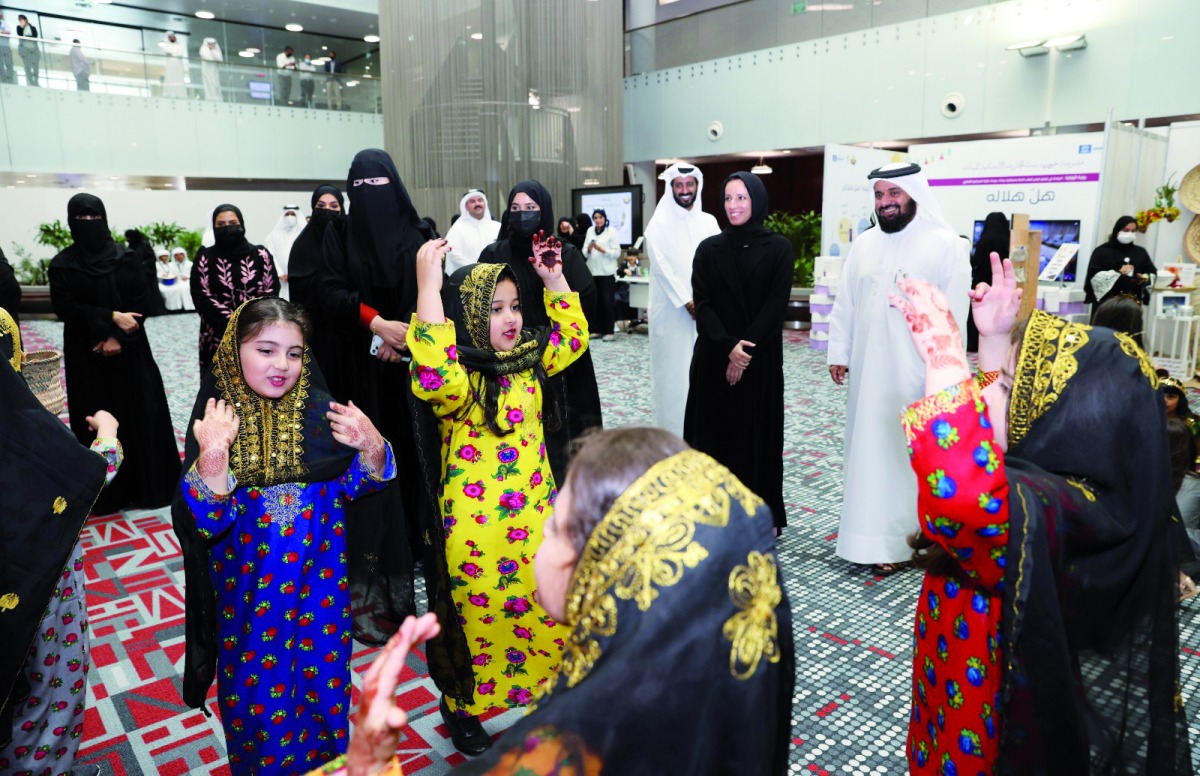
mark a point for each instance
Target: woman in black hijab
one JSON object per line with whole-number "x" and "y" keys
{"x": 741, "y": 281}
{"x": 304, "y": 272}
{"x": 226, "y": 274}
{"x": 368, "y": 289}
{"x": 140, "y": 247}
{"x": 1120, "y": 267}
{"x": 993, "y": 239}
{"x": 98, "y": 290}
{"x": 530, "y": 211}
{"x": 583, "y": 222}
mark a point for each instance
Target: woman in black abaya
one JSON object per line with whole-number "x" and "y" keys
{"x": 304, "y": 274}
{"x": 741, "y": 281}
{"x": 993, "y": 239}
{"x": 1120, "y": 267}
{"x": 98, "y": 289}
{"x": 530, "y": 210}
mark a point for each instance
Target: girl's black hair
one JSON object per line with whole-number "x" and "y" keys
{"x": 272, "y": 309}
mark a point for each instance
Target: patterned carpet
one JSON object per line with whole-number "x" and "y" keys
{"x": 852, "y": 628}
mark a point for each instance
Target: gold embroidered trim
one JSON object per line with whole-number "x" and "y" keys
{"x": 1084, "y": 489}
{"x": 9, "y": 601}
{"x": 753, "y": 631}
{"x": 1045, "y": 366}
{"x": 644, "y": 543}
{"x": 10, "y": 328}
{"x": 477, "y": 291}
{"x": 916, "y": 416}
{"x": 1130, "y": 347}
{"x": 269, "y": 446}
{"x": 60, "y": 505}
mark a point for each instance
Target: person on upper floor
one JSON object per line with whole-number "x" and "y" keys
{"x": 285, "y": 64}
{"x": 308, "y": 84}
{"x": 1120, "y": 266}
{"x": 529, "y": 212}
{"x": 173, "y": 67}
{"x": 279, "y": 242}
{"x": 226, "y": 274}
{"x": 29, "y": 49}
{"x": 210, "y": 69}
{"x": 474, "y": 230}
{"x": 333, "y": 81}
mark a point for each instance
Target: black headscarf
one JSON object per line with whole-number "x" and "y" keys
{"x": 583, "y": 222}
{"x": 718, "y": 627}
{"x": 1121, "y": 223}
{"x": 48, "y": 483}
{"x": 993, "y": 238}
{"x": 231, "y": 241}
{"x": 758, "y": 211}
{"x": 305, "y": 258}
{"x": 94, "y": 251}
{"x": 467, "y": 300}
{"x": 1090, "y": 623}
{"x": 599, "y": 229}
{"x": 522, "y": 244}
{"x": 1112, "y": 256}
{"x": 382, "y": 227}
{"x": 318, "y": 458}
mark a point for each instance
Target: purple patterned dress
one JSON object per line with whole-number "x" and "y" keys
{"x": 219, "y": 286}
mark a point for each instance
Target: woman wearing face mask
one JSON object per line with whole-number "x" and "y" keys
{"x": 226, "y": 274}
{"x": 304, "y": 264}
{"x": 99, "y": 291}
{"x": 530, "y": 211}
{"x": 1120, "y": 267}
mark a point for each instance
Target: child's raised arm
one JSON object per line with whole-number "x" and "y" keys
{"x": 215, "y": 434}
{"x": 430, "y": 259}
{"x": 547, "y": 261}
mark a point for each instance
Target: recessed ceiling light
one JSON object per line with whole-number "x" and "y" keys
{"x": 31, "y": 175}
{"x": 253, "y": 50}
{"x": 477, "y": 36}
{"x": 324, "y": 48}
{"x": 114, "y": 177}
{"x": 247, "y": 54}
{"x": 20, "y": 181}
{"x": 169, "y": 185}
{"x": 371, "y": 38}
{"x": 293, "y": 27}
{"x": 205, "y": 15}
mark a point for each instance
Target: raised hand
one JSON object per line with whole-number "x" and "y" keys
{"x": 934, "y": 332}
{"x": 547, "y": 254}
{"x": 431, "y": 259}
{"x": 994, "y": 307}
{"x": 379, "y": 721}
{"x": 103, "y": 423}
{"x": 218, "y": 428}
{"x": 354, "y": 429}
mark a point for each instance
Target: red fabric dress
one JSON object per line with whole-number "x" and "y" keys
{"x": 954, "y": 727}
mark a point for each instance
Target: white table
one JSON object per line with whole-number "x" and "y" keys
{"x": 639, "y": 291}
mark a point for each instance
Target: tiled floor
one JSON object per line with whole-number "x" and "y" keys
{"x": 852, "y": 629}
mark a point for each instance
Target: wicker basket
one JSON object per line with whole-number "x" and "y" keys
{"x": 41, "y": 372}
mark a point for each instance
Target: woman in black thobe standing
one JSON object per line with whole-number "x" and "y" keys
{"x": 1120, "y": 267}
{"x": 98, "y": 290}
{"x": 304, "y": 275}
{"x": 741, "y": 281}
{"x": 530, "y": 210}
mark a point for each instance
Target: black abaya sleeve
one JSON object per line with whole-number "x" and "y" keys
{"x": 134, "y": 296}
{"x": 71, "y": 310}
{"x": 205, "y": 306}
{"x": 708, "y": 322}
{"x": 773, "y": 302}
{"x": 10, "y": 289}
{"x": 338, "y": 297}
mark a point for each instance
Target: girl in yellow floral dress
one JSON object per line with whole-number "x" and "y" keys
{"x": 484, "y": 376}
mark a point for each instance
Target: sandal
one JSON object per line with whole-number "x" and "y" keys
{"x": 1185, "y": 588}
{"x": 887, "y": 569}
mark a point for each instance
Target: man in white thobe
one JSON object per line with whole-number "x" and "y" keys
{"x": 279, "y": 243}
{"x": 472, "y": 232}
{"x": 173, "y": 67}
{"x": 870, "y": 344}
{"x": 677, "y": 227}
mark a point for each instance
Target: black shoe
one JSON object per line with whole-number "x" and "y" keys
{"x": 466, "y": 733}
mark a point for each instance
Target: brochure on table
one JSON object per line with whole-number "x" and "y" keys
{"x": 1054, "y": 178}
{"x": 847, "y": 204}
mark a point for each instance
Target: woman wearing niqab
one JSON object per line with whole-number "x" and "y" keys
{"x": 741, "y": 281}
{"x": 1119, "y": 267}
{"x": 95, "y": 286}
{"x": 226, "y": 274}
{"x": 578, "y": 395}
{"x": 304, "y": 276}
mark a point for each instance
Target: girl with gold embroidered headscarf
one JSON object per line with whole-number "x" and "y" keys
{"x": 1046, "y": 637}
{"x": 270, "y": 462}
{"x": 484, "y": 375}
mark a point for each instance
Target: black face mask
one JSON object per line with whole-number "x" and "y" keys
{"x": 525, "y": 222}
{"x": 229, "y": 235}
{"x": 324, "y": 216}
{"x": 91, "y": 235}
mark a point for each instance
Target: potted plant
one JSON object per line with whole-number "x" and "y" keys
{"x": 803, "y": 231}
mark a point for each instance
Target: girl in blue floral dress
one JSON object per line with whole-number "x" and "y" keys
{"x": 271, "y": 463}
{"x": 484, "y": 376}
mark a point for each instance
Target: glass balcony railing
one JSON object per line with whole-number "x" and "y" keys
{"x": 37, "y": 62}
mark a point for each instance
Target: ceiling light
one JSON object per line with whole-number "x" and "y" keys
{"x": 205, "y": 15}
{"x": 324, "y": 48}
{"x": 1062, "y": 41}
{"x": 246, "y": 54}
{"x": 352, "y": 83}
{"x": 591, "y": 182}
{"x": 371, "y": 38}
{"x": 761, "y": 168}
{"x": 476, "y": 36}
{"x": 1033, "y": 51}
{"x": 31, "y": 175}
{"x": 1026, "y": 44}
{"x": 293, "y": 27}
{"x": 253, "y": 50}
{"x": 20, "y": 181}
{"x": 114, "y": 177}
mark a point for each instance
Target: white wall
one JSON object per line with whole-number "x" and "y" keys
{"x": 1183, "y": 153}
{"x": 887, "y": 83}
{"x": 56, "y": 131}
{"x": 25, "y": 208}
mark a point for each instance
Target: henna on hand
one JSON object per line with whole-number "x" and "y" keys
{"x": 213, "y": 465}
